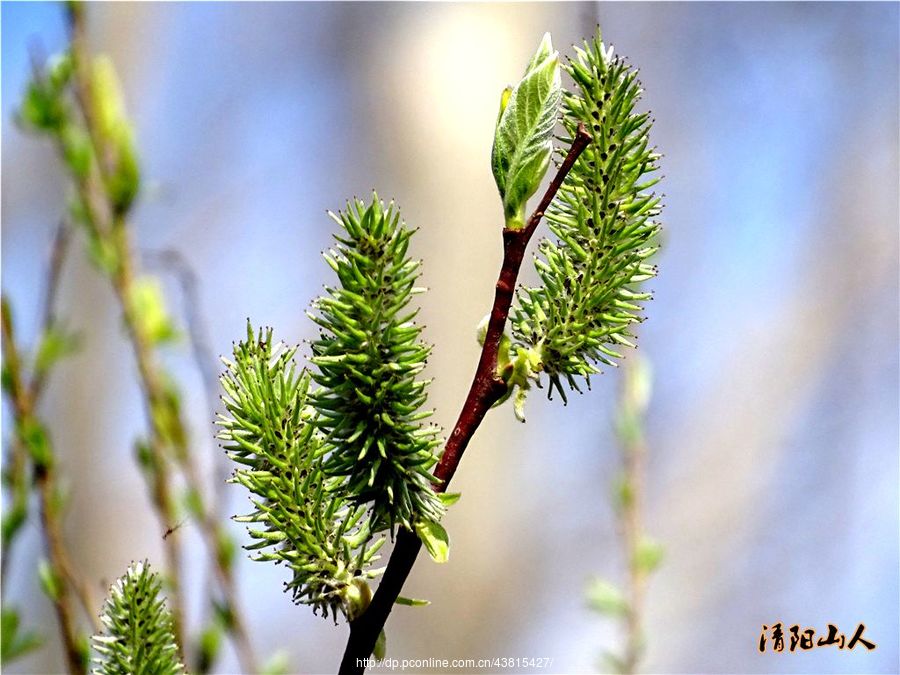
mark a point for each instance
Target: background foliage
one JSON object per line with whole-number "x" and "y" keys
{"x": 773, "y": 333}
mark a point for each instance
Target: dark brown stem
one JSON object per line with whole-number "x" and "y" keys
{"x": 487, "y": 388}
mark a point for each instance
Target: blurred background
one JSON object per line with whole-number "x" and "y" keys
{"x": 773, "y": 428}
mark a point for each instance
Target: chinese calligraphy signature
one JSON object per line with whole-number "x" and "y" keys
{"x": 773, "y": 637}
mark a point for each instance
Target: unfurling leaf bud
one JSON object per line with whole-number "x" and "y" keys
{"x": 523, "y": 140}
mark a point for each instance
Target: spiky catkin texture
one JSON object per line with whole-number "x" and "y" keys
{"x": 301, "y": 517}
{"x": 604, "y": 221}
{"x": 137, "y": 637}
{"x": 369, "y": 357}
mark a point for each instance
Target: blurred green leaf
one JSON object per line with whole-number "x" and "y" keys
{"x": 34, "y": 436}
{"x": 614, "y": 663}
{"x": 50, "y": 583}
{"x": 648, "y": 555}
{"x": 123, "y": 180}
{"x": 193, "y": 502}
{"x": 380, "y": 650}
{"x": 210, "y": 645}
{"x": 226, "y": 549}
{"x": 604, "y": 597}
{"x": 278, "y": 664}
{"x": 55, "y": 345}
{"x": 623, "y": 493}
{"x": 101, "y": 251}
{"x": 77, "y": 149}
{"x": 149, "y": 309}
{"x": 15, "y": 642}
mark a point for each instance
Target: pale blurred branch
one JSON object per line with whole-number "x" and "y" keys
{"x": 33, "y": 438}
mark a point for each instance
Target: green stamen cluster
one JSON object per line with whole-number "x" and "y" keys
{"x": 603, "y": 219}
{"x": 303, "y": 518}
{"x": 368, "y": 357}
{"x": 138, "y": 637}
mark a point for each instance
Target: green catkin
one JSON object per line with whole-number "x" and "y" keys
{"x": 368, "y": 357}
{"x": 604, "y": 220}
{"x": 299, "y": 518}
{"x": 137, "y": 638}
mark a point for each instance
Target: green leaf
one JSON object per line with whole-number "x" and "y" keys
{"x": 34, "y": 436}
{"x": 278, "y": 664}
{"x": 55, "y": 344}
{"x": 50, "y": 582}
{"x": 193, "y": 502}
{"x": 14, "y": 517}
{"x": 435, "y": 539}
{"x": 638, "y": 384}
{"x": 604, "y": 597}
{"x": 412, "y": 602}
{"x": 648, "y": 555}
{"x": 380, "y": 650}
{"x": 226, "y": 549}
{"x": 77, "y": 149}
{"x": 613, "y": 663}
{"x": 15, "y": 643}
{"x": 44, "y": 106}
{"x": 210, "y": 646}
{"x": 115, "y": 129}
{"x": 623, "y": 493}
{"x": 149, "y": 309}
{"x": 102, "y": 252}
{"x": 449, "y": 498}
{"x": 523, "y": 139}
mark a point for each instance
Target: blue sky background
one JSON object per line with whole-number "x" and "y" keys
{"x": 773, "y": 478}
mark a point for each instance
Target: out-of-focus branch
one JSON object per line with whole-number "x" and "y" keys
{"x": 33, "y": 436}
{"x": 58, "y": 252}
{"x": 19, "y": 477}
{"x": 209, "y": 515}
{"x": 642, "y": 554}
{"x": 105, "y": 225}
{"x": 634, "y": 451}
{"x": 106, "y": 220}
{"x": 172, "y": 261}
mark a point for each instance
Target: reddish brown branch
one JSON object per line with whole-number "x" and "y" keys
{"x": 487, "y": 388}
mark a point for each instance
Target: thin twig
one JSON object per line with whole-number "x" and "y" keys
{"x": 35, "y": 389}
{"x": 204, "y": 357}
{"x": 45, "y": 476}
{"x": 172, "y": 262}
{"x": 208, "y": 523}
{"x": 107, "y": 223}
{"x": 103, "y": 223}
{"x": 634, "y": 452}
{"x": 486, "y": 389}
{"x": 51, "y": 290}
